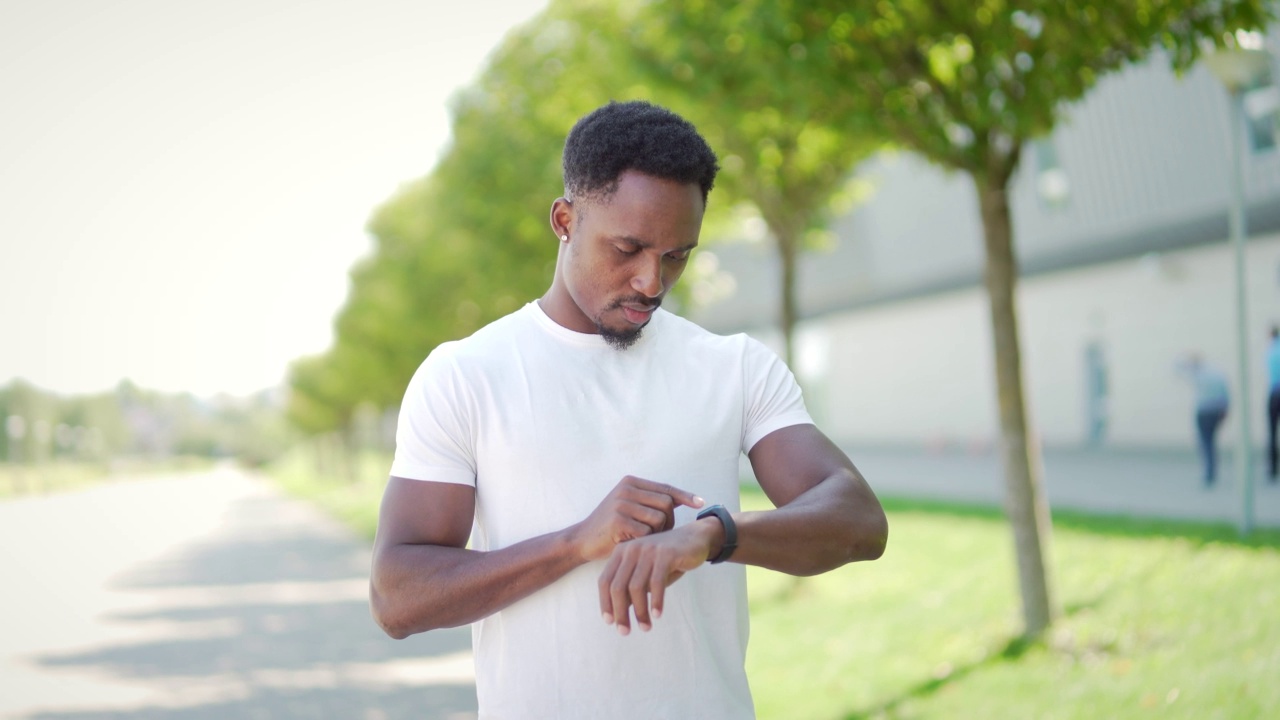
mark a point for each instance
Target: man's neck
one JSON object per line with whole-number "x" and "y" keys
{"x": 558, "y": 306}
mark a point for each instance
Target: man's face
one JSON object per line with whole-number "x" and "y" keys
{"x": 625, "y": 251}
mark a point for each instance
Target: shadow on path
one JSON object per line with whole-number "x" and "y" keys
{"x": 339, "y": 704}
{"x": 268, "y": 618}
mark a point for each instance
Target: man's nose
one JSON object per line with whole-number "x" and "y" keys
{"x": 648, "y": 280}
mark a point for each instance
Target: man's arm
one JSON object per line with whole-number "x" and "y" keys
{"x": 423, "y": 576}
{"x": 826, "y": 515}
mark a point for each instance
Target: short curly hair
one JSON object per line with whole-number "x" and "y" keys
{"x": 636, "y": 136}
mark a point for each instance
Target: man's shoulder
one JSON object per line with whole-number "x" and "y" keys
{"x": 739, "y": 345}
{"x": 686, "y": 331}
{"x": 503, "y": 331}
{"x": 488, "y": 345}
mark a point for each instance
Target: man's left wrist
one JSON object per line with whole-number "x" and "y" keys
{"x": 713, "y": 532}
{"x": 724, "y": 533}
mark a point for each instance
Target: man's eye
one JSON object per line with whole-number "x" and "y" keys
{"x": 627, "y": 250}
{"x": 679, "y": 255}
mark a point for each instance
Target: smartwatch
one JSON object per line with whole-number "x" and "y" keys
{"x": 730, "y": 532}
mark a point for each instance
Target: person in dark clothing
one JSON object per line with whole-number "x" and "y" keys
{"x": 1212, "y": 401}
{"x": 1273, "y": 400}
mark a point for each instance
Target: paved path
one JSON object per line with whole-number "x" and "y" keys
{"x": 1127, "y": 482}
{"x": 200, "y": 597}
{"x": 210, "y": 596}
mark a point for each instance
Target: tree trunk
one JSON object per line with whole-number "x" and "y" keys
{"x": 1025, "y": 504}
{"x": 787, "y": 252}
{"x": 321, "y": 456}
{"x": 350, "y": 452}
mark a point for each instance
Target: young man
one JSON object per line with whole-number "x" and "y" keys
{"x": 593, "y": 440}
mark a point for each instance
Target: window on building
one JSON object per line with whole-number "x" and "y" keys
{"x": 1052, "y": 184}
{"x": 1097, "y": 403}
{"x": 1262, "y": 114}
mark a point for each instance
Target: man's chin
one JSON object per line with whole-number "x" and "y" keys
{"x": 620, "y": 339}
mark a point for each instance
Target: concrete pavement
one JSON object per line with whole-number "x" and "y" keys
{"x": 199, "y": 597}
{"x": 1153, "y": 483}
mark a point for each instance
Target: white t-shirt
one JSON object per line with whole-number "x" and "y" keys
{"x": 544, "y": 422}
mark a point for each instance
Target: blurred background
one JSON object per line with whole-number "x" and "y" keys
{"x": 1009, "y": 249}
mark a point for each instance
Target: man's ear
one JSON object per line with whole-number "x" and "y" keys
{"x": 563, "y": 217}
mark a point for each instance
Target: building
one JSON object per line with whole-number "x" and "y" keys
{"x": 1120, "y": 223}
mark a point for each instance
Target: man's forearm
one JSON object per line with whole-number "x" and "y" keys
{"x": 415, "y": 588}
{"x": 833, "y": 523}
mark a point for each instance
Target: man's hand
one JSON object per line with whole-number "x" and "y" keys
{"x": 638, "y": 573}
{"x": 633, "y": 509}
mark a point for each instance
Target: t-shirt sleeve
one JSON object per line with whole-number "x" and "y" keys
{"x": 434, "y": 431}
{"x": 772, "y": 395}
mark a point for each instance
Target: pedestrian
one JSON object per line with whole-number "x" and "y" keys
{"x": 1273, "y": 401}
{"x": 588, "y": 444}
{"x": 1211, "y": 404}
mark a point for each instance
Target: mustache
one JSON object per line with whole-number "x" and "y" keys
{"x": 636, "y": 300}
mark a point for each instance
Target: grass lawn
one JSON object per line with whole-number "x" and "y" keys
{"x": 353, "y": 502}
{"x": 64, "y": 475}
{"x": 1161, "y": 619}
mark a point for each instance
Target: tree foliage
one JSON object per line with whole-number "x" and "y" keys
{"x": 793, "y": 93}
{"x": 966, "y": 85}
{"x": 134, "y": 422}
{"x": 470, "y": 242}
{"x": 787, "y": 134}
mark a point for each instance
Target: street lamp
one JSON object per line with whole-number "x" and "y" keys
{"x": 1239, "y": 68}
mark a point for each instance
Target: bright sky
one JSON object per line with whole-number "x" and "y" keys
{"x": 184, "y": 185}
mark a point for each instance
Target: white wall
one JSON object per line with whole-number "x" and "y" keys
{"x": 921, "y": 370}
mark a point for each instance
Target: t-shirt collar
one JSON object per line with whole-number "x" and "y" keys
{"x": 587, "y": 339}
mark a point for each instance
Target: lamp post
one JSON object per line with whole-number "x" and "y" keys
{"x": 1238, "y": 68}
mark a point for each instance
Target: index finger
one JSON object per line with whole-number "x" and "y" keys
{"x": 681, "y": 497}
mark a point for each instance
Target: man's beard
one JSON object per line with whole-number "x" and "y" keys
{"x": 623, "y": 339}
{"x": 619, "y": 340}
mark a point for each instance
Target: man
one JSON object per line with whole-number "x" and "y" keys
{"x": 581, "y": 435}
{"x": 1212, "y": 402}
{"x": 1273, "y": 401}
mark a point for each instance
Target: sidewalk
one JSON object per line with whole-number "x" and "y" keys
{"x": 205, "y": 596}
{"x": 1151, "y": 483}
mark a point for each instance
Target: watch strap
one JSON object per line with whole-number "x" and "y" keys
{"x": 730, "y": 531}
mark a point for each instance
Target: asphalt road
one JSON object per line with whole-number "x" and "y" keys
{"x": 204, "y": 596}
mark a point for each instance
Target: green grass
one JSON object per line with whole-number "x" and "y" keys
{"x": 66, "y": 475}
{"x": 1162, "y": 619}
{"x": 353, "y": 501}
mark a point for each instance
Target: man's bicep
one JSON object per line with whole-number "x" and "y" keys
{"x": 791, "y": 460}
{"x": 421, "y": 512}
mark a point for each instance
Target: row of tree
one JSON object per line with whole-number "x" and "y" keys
{"x": 130, "y": 422}
{"x": 793, "y": 95}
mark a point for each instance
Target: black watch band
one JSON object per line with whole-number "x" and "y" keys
{"x": 730, "y": 532}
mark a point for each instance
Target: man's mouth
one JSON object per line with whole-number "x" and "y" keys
{"x": 638, "y": 313}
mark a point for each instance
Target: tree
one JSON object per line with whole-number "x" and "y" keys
{"x": 966, "y": 85}
{"x": 786, "y": 134}
{"x": 470, "y": 242}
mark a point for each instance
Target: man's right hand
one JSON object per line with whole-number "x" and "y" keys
{"x": 634, "y": 508}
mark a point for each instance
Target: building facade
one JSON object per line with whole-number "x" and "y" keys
{"x": 1120, "y": 225}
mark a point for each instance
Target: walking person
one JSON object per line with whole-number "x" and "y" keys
{"x": 1273, "y": 401}
{"x": 1212, "y": 401}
